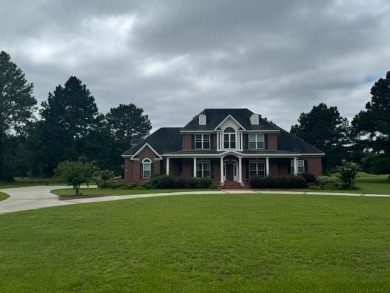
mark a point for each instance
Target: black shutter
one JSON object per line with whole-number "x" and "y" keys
{"x": 151, "y": 169}
{"x": 211, "y": 141}
{"x": 193, "y": 141}
{"x": 289, "y": 166}
{"x": 141, "y": 170}
{"x": 305, "y": 166}
{"x": 246, "y": 138}
{"x": 266, "y": 141}
{"x": 212, "y": 168}
{"x": 247, "y": 169}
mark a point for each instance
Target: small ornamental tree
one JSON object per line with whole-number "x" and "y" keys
{"x": 76, "y": 172}
{"x": 347, "y": 173}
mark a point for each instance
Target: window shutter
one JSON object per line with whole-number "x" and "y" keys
{"x": 266, "y": 141}
{"x": 289, "y": 167}
{"x": 212, "y": 168}
{"x": 151, "y": 169}
{"x": 211, "y": 141}
{"x": 141, "y": 175}
{"x": 193, "y": 141}
{"x": 246, "y": 141}
{"x": 305, "y": 165}
{"x": 247, "y": 169}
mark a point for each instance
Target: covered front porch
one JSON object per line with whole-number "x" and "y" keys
{"x": 231, "y": 167}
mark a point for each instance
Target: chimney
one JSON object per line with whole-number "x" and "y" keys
{"x": 202, "y": 119}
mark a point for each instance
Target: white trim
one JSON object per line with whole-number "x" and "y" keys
{"x": 263, "y": 131}
{"x": 227, "y": 117}
{"x": 196, "y": 131}
{"x": 238, "y": 154}
{"x": 144, "y": 146}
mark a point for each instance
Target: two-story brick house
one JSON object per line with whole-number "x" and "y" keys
{"x": 227, "y": 145}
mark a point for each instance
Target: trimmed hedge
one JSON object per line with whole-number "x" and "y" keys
{"x": 277, "y": 182}
{"x": 167, "y": 182}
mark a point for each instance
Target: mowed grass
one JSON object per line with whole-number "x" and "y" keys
{"x": 70, "y": 192}
{"x": 3, "y": 196}
{"x": 200, "y": 243}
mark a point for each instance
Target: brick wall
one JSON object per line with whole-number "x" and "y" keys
{"x": 187, "y": 142}
{"x": 272, "y": 141}
{"x": 314, "y": 165}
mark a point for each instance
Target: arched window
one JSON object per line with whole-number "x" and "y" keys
{"x": 229, "y": 138}
{"x": 146, "y": 168}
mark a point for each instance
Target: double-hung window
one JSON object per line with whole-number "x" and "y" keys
{"x": 256, "y": 141}
{"x": 300, "y": 164}
{"x": 203, "y": 169}
{"x": 257, "y": 168}
{"x": 146, "y": 168}
{"x": 202, "y": 141}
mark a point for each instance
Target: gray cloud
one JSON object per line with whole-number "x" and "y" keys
{"x": 175, "y": 58}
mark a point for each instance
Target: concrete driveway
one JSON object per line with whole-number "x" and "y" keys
{"x": 36, "y": 197}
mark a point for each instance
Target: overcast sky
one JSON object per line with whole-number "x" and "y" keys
{"x": 174, "y": 58}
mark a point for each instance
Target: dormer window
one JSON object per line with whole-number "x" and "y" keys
{"x": 229, "y": 138}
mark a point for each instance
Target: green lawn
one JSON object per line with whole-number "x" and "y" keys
{"x": 23, "y": 182}
{"x": 3, "y": 196}
{"x": 69, "y": 192}
{"x": 200, "y": 243}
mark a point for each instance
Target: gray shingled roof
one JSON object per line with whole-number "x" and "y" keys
{"x": 163, "y": 140}
{"x": 292, "y": 143}
{"x": 214, "y": 117}
{"x": 168, "y": 139}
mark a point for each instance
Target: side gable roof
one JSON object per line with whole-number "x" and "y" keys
{"x": 163, "y": 140}
{"x": 214, "y": 117}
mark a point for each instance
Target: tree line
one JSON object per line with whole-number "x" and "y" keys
{"x": 67, "y": 126}
{"x": 364, "y": 141}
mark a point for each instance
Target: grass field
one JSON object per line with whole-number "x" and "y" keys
{"x": 202, "y": 243}
{"x": 3, "y": 196}
{"x": 23, "y": 182}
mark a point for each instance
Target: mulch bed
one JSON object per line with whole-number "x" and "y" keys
{"x": 65, "y": 197}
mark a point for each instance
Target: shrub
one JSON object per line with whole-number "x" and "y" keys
{"x": 191, "y": 183}
{"x": 205, "y": 183}
{"x": 309, "y": 177}
{"x": 326, "y": 182}
{"x": 297, "y": 182}
{"x": 277, "y": 182}
{"x": 347, "y": 174}
{"x": 180, "y": 182}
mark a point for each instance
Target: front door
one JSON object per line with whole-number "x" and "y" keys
{"x": 230, "y": 172}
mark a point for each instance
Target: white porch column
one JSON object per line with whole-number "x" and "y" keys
{"x": 240, "y": 170}
{"x": 267, "y": 166}
{"x": 241, "y": 141}
{"x": 222, "y": 181}
{"x": 217, "y": 141}
{"x": 167, "y": 167}
{"x": 295, "y": 166}
{"x": 194, "y": 167}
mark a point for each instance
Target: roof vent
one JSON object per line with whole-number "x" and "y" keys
{"x": 255, "y": 119}
{"x": 202, "y": 119}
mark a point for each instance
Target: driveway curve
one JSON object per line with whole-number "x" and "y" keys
{"x": 36, "y": 197}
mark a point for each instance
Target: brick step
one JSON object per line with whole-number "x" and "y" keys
{"x": 233, "y": 185}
